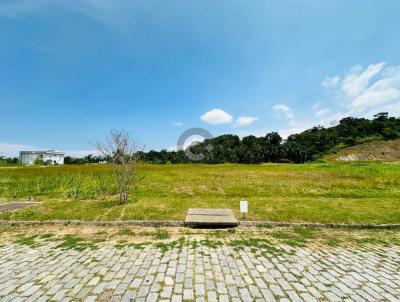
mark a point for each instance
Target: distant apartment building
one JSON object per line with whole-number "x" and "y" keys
{"x": 51, "y": 157}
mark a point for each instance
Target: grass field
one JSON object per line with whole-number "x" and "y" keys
{"x": 350, "y": 193}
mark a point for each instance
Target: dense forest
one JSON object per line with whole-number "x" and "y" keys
{"x": 298, "y": 148}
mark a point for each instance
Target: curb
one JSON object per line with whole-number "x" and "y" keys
{"x": 180, "y": 223}
{"x": 317, "y": 225}
{"x": 145, "y": 223}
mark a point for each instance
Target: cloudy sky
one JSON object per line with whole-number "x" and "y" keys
{"x": 70, "y": 70}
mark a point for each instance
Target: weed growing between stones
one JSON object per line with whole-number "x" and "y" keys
{"x": 137, "y": 246}
{"x": 28, "y": 240}
{"x": 126, "y": 232}
{"x": 333, "y": 241}
{"x": 164, "y": 247}
{"x": 298, "y": 239}
{"x": 211, "y": 243}
{"x": 48, "y": 237}
{"x": 264, "y": 246}
{"x": 264, "y": 226}
{"x": 303, "y": 232}
{"x": 76, "y": 243}
{"x": 370, "y": 240}
{"x": 161, "y": 234}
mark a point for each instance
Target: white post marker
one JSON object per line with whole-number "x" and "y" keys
{"x": 244, "y": 208}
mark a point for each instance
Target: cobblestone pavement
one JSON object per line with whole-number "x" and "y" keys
{"x": 198, "y": 273}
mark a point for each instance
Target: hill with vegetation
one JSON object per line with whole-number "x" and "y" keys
{"x": 309, "y": 145}
{"x": 386, "y": 151}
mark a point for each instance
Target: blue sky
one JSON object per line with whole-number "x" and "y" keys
{"x": 72, "y": 70}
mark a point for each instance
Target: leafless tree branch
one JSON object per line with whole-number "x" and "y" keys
{"x": 122, "y": 152}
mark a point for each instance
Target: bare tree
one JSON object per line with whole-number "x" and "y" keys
{"x": 122, "y": 152}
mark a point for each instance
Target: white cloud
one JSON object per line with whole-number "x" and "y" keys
{"x": 360, "y": 92}
{"x": 246, "y": 120}
{"x": 281, "y": 108}
{"x": 363, "y": 92}
{"x": 319, "y": 111}
{"x": 393, "y": 109}
{"x": 322, "y": 112}
{"x": 177, "y": 124}
{"x": 217, "y": 116}
{"x": 357, "y": 79}
{"x": 381, "y": 92}
{"x": 286, "y": 132}
{"x": 284, "y": 109}
{"x": 331, "y": 82}
{"x": 295, "y": 127}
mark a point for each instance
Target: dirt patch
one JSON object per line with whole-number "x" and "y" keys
{"x": 183, "y": 189}
{"x": 292, "y": 236}
{"x": 16, "y": 205}
{"x": 205, "y": 189}
{"x": 373, "y": 151}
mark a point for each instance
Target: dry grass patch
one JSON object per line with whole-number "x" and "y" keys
{"x": 261, "y": 241}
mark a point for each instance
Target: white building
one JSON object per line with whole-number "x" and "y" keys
{"x": 51, "y": 157}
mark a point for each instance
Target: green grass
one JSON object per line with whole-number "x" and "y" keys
{"x": 333, "y": 241}
{"x": 211, "y": 243}
{"x": 46, "y": 236}
{"x": 326, "y": 193}
{"x": 305, "y": 233}
{"x": 161, "y": 234}
{"x": 296, "y": 239}
{"x": 137, "y": 246}
{"x": 370, "y": 240}
{"x": 126, "y": 232}
{"x": 163, "y": 247}
{"x": 256, "y": 245}
{"x": 76, "y": 243}
{"x": 6, "y": 164}
{"x": 27, "y": 240}
{"x": 66, "y": 242}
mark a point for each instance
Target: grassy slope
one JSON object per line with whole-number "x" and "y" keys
{"x": 352, "y": 193}
{"x": 386, "y": 151}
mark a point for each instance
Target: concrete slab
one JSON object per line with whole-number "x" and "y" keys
{"x": 210, "y": 217}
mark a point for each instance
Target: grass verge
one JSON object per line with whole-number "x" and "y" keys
{"x": 325, "y": 193}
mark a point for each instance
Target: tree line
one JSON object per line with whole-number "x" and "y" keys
{"x": 298, "y": 148}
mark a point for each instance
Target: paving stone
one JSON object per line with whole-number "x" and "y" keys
{"x": 129, "y": 296}
{"x": 152, "y": 297}
{"x": 176, "y": 298}
{"x": 188, "y": 294}
{"x": 205, "y": 274}
{"x": 199, "y": 289}
{"x": 212, "y": 296}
